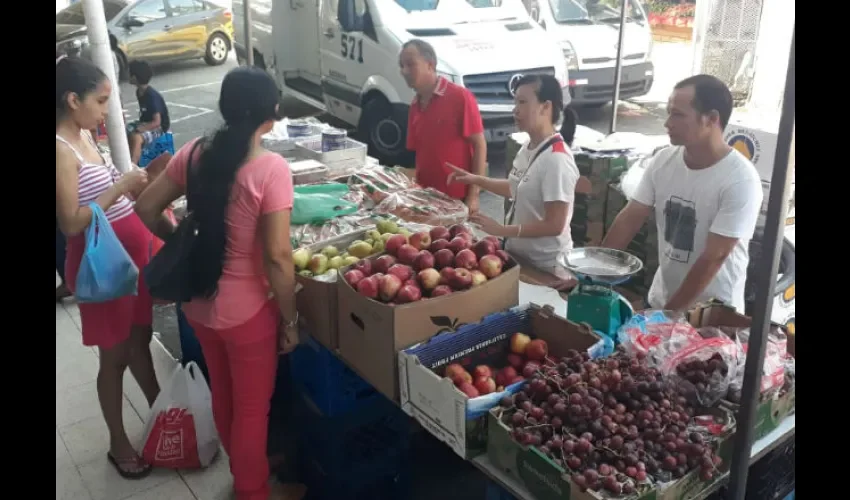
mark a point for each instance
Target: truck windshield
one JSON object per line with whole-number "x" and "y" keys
{"x": 593, "y": 11}
{"x": 414, "y": 5}
{"x": 73, "y": 14}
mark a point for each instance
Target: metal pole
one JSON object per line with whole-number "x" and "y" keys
{"x": 777, "y": 208}
{"x": 618, "y": 68}
{"x": 249, "y": 37}
{"x": 102, "y": 57}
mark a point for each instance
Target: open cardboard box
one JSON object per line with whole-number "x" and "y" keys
{"x": 372, "y": 333}
{"x": 774, "y": 406}
{"x": 439, "y": 406}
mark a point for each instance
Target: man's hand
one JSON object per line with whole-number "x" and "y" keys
{"x": 717, "y": 249}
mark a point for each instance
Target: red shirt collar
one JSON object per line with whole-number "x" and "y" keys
{"x": 440, "y": 90}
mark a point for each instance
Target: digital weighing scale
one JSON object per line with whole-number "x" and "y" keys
{"x": 594, "y": 300}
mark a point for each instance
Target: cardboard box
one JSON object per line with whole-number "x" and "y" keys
{"x": 446, "y": 412}
{"x": 372, "y": 333}
{"x": 773, "y": 409}
{"x": 548, "y": 481}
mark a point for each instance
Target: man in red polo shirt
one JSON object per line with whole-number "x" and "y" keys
{"x": 444, "y": 125}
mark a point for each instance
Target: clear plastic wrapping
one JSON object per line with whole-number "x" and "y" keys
{"x": 424, "y": 206}
{"x": 704, "y": 370}
{"x": 378, "y": 182}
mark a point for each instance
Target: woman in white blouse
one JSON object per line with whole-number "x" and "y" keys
{"x": 542, "y": 181}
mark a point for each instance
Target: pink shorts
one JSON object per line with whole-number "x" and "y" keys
{"x": 107, "y": 324}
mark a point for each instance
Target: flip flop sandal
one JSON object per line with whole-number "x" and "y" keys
{"x": 135, "y": 462}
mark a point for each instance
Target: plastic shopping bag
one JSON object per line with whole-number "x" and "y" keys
{"x": 180, "y": 432}
{"x": 106, "y": 271}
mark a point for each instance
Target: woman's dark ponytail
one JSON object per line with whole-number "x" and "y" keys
{"x": 568, "y": 126}
{"x": 221, "y": 157}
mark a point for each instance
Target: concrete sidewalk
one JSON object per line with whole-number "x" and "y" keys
{"x": 82, "y": 471}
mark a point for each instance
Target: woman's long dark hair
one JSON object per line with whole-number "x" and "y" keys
{"x": 74, "y": 76}
{"x": 248, "y": 99}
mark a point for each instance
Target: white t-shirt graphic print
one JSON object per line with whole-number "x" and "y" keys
{"x": 723, "y": 199}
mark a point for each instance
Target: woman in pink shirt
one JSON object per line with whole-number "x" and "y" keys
{"x": 243, "y": 312}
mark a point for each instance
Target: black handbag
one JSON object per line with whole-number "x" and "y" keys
{"x": 169, "y": 275}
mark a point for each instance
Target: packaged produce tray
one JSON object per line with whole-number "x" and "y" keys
{"x": 353, "y": 154}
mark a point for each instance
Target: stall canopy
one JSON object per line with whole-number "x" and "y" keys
{"x": 102, "y": 56}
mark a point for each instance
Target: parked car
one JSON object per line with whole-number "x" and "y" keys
{"x": 156, "y": 31}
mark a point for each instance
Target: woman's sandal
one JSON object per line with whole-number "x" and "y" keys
{"x": 62, "y": 292}
{"x": 130, "y": 468}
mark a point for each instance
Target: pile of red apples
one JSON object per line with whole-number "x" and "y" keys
{"x": 431, "y": 263}
{"x": 524, "y": 362}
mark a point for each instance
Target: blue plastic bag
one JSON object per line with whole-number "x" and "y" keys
{"x": 106, "y": 272}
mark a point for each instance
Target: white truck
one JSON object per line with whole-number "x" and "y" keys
{"x": 341, "y": 56}
{"x": 588, "y": 34}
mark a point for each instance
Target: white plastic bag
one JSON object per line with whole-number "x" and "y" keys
{"x": 180, "y": 432}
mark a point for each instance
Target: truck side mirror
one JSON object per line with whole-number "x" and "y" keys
{"x": 132, "y": 22}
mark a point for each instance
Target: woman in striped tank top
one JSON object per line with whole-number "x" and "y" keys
{"x": 121, "y": 328}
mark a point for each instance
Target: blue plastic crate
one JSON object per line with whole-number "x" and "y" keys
{"x": 163, "y": 144}
{"x": 321, "y": 486}
{"x": 496, "y": 492}
{"x": 333, "y": 387}
{"x": 369, "y": 442}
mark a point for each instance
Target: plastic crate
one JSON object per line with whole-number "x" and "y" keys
{"x": 354, "y": 449}
{"x": 163, "y": 144}
{"x": 773, "y": 477}
{"x": 496, "y": 492}
{"x": 321, "y": 486}
{"x": 331, "y": 386}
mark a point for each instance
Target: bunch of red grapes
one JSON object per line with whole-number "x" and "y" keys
{"x": 613, "y": 423}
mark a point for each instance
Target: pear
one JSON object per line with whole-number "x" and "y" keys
{"x": 378, "y": 246}
{"x": 330, "y": 251}
{"x": 301, "y": 258}
{"x": 306, "y": 273}
{"x": 373, "y": 235}
{"x": 387, "y": 227}
{"x": 335, "y": 262}
{"x": 318, "y": 264}
{"x": 386, "y": 236}
{"x": 404, "y": 232}
{"x": 360, "y": 248}
{"x": 349, "y": 260}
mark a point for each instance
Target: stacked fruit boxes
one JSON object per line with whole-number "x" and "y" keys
{"x": 597, "y": 171}
{"x": 644, "y": 246}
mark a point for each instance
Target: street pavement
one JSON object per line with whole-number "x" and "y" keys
{"x": 191, "y": 91}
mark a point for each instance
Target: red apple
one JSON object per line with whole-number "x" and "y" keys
{"x": 457, "y": 229}
{"x": 478, "y": 277}
{"x": 530, "y": 369}
{"x": 438, "y": 245}
{"x": 401, "y": 271}
{"x": 485, "y": 385}
{"x": 364, "y": 266}
{"x": 429, "y": 278}
{"x": 423, "y": 260}
{"x": 407, "y": 294}
{"x": 503, "y": 256}
{"x": 482, "y": 371}
{"x": 458, "y": 244}
{"x": 368, "y": 287}
{"x": 389, "y": 285}
{"x": 490, "y": 265}
{"x": 469, "y": 390}
{"x": 461, "y": 280}
{"x": 383, "y": 264}
{"x": 468, "y": 237}
{"x": 519, "y": 343}
{"x": 466, "y": 259}
{"x": 454, "y": 369}
{"x": 537, "y": 350}
{"x": 440, "y": 233}
{"x": 407, "y": 254}
{"x": 515, "y": 360}
{"x": 441, "y": 290}
{"x": 394, "y": 243}
{"x": 353, "y": 277}
{"x": 462, "y": 378}
{"x": 497, "y": 243}
{"x": 420, "y": 240}
{"x": 483, "y": 248}
{"x": 444, "y": 258}
{"x": 505, "y": 375}
{"x": 446, "y": 274}
{"x": 518, "y": 378}
{"x": 411, "y": 281}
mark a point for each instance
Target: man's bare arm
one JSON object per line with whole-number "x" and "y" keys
{"x": 626, "y": 225}
{"x": 479, "y": 165}
{"x": 717, "y": 249}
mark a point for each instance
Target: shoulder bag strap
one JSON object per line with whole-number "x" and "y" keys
{"x": 509, "y": 217}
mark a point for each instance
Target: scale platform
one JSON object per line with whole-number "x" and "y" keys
{"x": 594, "y": 300}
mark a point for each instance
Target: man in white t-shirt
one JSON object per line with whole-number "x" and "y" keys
{"x": 706, "y": 198}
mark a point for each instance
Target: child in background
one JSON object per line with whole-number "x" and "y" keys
{"x": 153, "y": 113}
